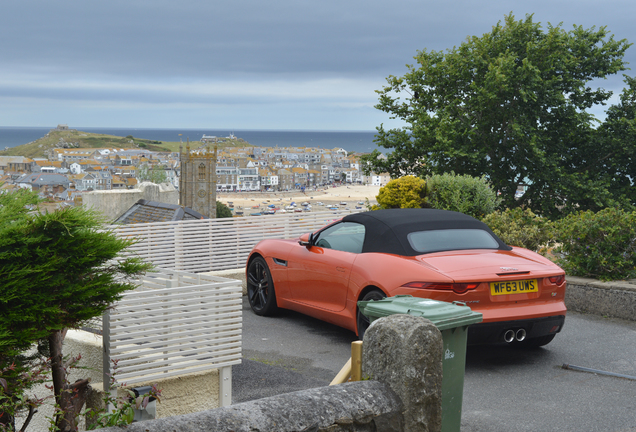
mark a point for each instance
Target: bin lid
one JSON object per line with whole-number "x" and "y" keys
{"x": 443, "y": 314}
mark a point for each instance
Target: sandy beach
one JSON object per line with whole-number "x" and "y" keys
{"x": 251, "y": 202}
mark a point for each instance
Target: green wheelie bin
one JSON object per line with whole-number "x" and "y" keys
{"x": 452, "y": 319}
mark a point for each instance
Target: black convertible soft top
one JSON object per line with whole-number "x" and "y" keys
{"x": 387, "y": 230}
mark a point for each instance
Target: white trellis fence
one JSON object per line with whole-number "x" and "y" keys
{"x": 217, "y": 244}
{"x": 175, "y": 323}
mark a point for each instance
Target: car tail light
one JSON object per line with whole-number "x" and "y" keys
{"x": 557, "y": 280}
{"x": 459, "y": 288}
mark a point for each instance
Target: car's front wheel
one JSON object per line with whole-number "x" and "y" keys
{"x": 363, "y": 321}
{"x": 260, "y": 288}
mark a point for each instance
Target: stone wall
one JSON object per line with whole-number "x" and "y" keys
{"x": 114, "y": 203}
{"x": 361, "y": 406}
{"x": 616, "y": 299}
{"x": 402, "y": 361}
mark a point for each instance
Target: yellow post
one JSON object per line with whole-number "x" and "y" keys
{"x": 353, "y": 368}
{"x": 356, "y": 361}
{"x": 343, "y": 375}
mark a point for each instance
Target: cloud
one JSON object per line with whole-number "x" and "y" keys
{"x": 281, "y": 56}
{"x": 204, "y": 91}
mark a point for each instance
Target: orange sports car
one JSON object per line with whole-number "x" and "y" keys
{"x": 426, "y": 253}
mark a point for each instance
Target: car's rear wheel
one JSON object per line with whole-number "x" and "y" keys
{"x": 260, "y": 288}
{"x": 537, "y": 341}
{"x": 362, "y": 321}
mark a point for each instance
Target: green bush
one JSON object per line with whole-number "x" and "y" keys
{"x": 519, "y": 227}
{"x": 462, "y": 193}
{"x": 404, "y": 192}
{"x": 600, "y": 245}
{"x": 222, "y": 211}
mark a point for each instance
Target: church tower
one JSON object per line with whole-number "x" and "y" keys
{"x": 197, "y": 183}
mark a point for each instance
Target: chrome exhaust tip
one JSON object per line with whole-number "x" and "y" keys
{"x": 520, "y": 335}
{"x": 509, "y": 336}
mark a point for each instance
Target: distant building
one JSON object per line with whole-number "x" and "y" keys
{"x": 15, "y": 164}
{"x": 43, "y": 183}
{"x": 46, "y": 166}
{"x": 249, "y": 179}
{"x": 377, "y": 179}
{"x": 84, "y": 181}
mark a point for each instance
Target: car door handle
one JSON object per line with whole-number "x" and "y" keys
{"x": 341, "y": 269}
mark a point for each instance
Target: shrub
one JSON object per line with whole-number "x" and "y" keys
{"x": 462, "y": 193}
{"x": 57, "y": 270}
{"x": 601, "y": 245}
{"x": 519, "y": 227}
{"x": 404, "y": 192}
{"x": 222, "y": 211}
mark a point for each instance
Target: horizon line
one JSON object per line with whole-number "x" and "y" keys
{"x": 191, "y": 128}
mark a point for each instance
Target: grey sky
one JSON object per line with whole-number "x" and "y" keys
{"x": 243, "y": 64}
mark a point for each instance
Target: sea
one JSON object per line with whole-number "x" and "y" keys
{"x": 352, "y": 141}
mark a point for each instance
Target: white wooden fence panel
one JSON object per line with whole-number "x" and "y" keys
{"x": 123, "y": 353}
{"x": 218, "y": 244}
{"x": 174, "y": 323}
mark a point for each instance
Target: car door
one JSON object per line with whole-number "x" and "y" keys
{"x": 319, "y": 274}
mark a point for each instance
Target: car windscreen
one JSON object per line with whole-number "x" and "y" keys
{"x": 451, "y": 239}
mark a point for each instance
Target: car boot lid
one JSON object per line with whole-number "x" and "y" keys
{"x": 501, "y": 263}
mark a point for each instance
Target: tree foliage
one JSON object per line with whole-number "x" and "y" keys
{"x": 404, "y": 192}
{"x": 155, "y": 174}
{"x": 615, "y": 145}
{"x": 512, "y": 105}
{"x": 57, "y": 270}
{"x": 461, "y": 193}
{"x": 521, "y": 227}
{"x": 600, "y": 245}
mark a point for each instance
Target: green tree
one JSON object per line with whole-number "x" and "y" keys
{"x": 155, "y": 174}
{"x": 616, "y": 160}
{"x": 512, "y": 105}
{"x": 57, "y": 270}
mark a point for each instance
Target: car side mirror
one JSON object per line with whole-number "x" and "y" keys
{"x": 306, "y": 240}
